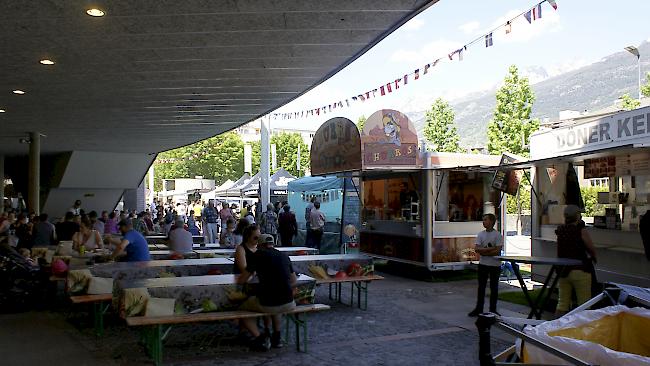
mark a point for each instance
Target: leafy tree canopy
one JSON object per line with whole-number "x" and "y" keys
{"x": 511, "y": 127}
{"x": 440, "y": 129}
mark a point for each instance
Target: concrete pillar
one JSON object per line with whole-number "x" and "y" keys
{"x": 265, "y": 196}
{"x": 34, "y": 176}
{"x": 2, "y": 183}
{"x": 151, "y": 184}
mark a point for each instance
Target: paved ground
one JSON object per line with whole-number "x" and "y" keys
{"x": 408, "y": 322}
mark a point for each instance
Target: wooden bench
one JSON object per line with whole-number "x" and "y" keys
{"x": 101, "y": 303}
{"x": 358, "y": 282}
{"x": 156, "y": 328}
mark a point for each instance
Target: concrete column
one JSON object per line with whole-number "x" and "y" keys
{"x": 265, "y": 196}
{"x": 151, "y": 184}
{"x": 34, "y": 176}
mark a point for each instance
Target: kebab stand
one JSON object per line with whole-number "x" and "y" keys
{"x": 614, "y": 147}
{"x": 418, "y": 207}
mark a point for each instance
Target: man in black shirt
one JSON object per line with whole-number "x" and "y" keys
{"x": 66, "y": 229}
{"x": 274, "y": 291}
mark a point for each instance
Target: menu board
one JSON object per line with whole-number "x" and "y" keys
{"x": 601, "y": 167}
{"x": 507, "y": 180}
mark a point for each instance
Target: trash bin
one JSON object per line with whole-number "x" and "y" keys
{"x": 615, "y": 335}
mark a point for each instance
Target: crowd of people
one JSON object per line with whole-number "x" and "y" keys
{"x": 217, "y": 222}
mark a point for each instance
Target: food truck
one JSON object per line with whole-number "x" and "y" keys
{"x": 610, "y": 151}
{"x": 417, "y": 207}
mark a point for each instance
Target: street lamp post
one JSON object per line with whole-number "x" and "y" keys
{"x": 635, "y": 51}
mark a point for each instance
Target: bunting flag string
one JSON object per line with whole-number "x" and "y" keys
{"x": 531, "y": 14}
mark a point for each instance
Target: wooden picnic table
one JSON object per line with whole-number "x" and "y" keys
{"x": 189, "y": 293}
{"x": 226, "y": 252}
{"x": 557, "y": 265}
{"x": 155, "y": 239}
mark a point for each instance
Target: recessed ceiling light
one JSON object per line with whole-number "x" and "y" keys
{"x": 47, "y": 62}
{"x": 2, "y": 111}
{"x": 94, "y": 12}
{"x": 18, "y": 91}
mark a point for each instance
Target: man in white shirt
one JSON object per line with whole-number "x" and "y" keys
{"x": 488, "y": 244}
{"x": 180, "y": 240}
{"x": 316, "y": 225}
{"x": 76, "y": 209}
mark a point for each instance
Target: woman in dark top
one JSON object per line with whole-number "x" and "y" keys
{"x": 288, "y": 226}
{"x": 574, "y": 242}
{"x": 246, "y": 250}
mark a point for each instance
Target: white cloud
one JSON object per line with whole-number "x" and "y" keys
{"x": 522, "y": 31}
{"x": 470, "y": 27}
{"x": 426, "y": 53}
{"x": 414, "y": 24}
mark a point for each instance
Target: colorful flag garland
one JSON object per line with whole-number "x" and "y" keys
{"x": 532, "y": 14}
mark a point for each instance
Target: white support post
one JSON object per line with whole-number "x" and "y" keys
{"x": 265, "y": 194}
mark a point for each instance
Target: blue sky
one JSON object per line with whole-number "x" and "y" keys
{"x": 577, "y": 34}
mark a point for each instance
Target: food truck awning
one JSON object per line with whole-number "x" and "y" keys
{"x": 315, "y": 184}
{"x": 575, "y": 159}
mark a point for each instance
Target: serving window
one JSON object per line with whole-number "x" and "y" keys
{"x": 462, "y": 196}
{"x": 395, "y": 198}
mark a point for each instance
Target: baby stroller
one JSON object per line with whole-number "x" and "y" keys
{"x": 20, "y": 281}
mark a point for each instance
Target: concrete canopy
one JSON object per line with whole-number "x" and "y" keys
{"x": 152, "y": 75}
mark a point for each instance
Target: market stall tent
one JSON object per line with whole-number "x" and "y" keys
{"x": 235, "y": 189}
{"x": 339, "y": 203}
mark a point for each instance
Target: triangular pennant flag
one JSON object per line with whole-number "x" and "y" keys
{"x": 553, "y": 3}
{"x": 539, "y": 11}
{"x": 528, "y": 15}
{"x": 435, "y": 62}
{"x": 460, "y": 54}
{"x": 417, "y": 74}
{"x": 488, "y": 40}
{"x": 508, "y": 27}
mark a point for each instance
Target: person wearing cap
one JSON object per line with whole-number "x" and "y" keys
{"x": 132, "y": 246}
{"x": 573, "y": 241}
{"x": 274, "y": 292}
{"x": 180, "y": 240}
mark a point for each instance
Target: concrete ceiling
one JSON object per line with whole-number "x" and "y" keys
{"x": 157, "y": 74}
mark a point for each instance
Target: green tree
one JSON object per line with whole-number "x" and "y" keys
{"x": 645, "y": 88}
{"x": 219, "y": 158}
{"x": 522, "y": 199}
{"x": 361, "y": 122}
{"x": 590, "y": 197}
{"x": 440, "y": 129}
{"x": 286, "y": 146}
{"x": 628, "y": 103}
{"x": 511, "y": 127}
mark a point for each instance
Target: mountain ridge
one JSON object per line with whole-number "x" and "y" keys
{"x": 588, "y": 88}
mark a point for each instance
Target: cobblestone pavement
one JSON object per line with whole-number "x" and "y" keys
{"x": 408, "y": 322}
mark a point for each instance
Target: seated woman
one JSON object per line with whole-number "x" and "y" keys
{"x": 245, "y": 251}
{"x": 227, "y": 238}
{"x": 87, "y": 236}
{"x": 242, "y": 224}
